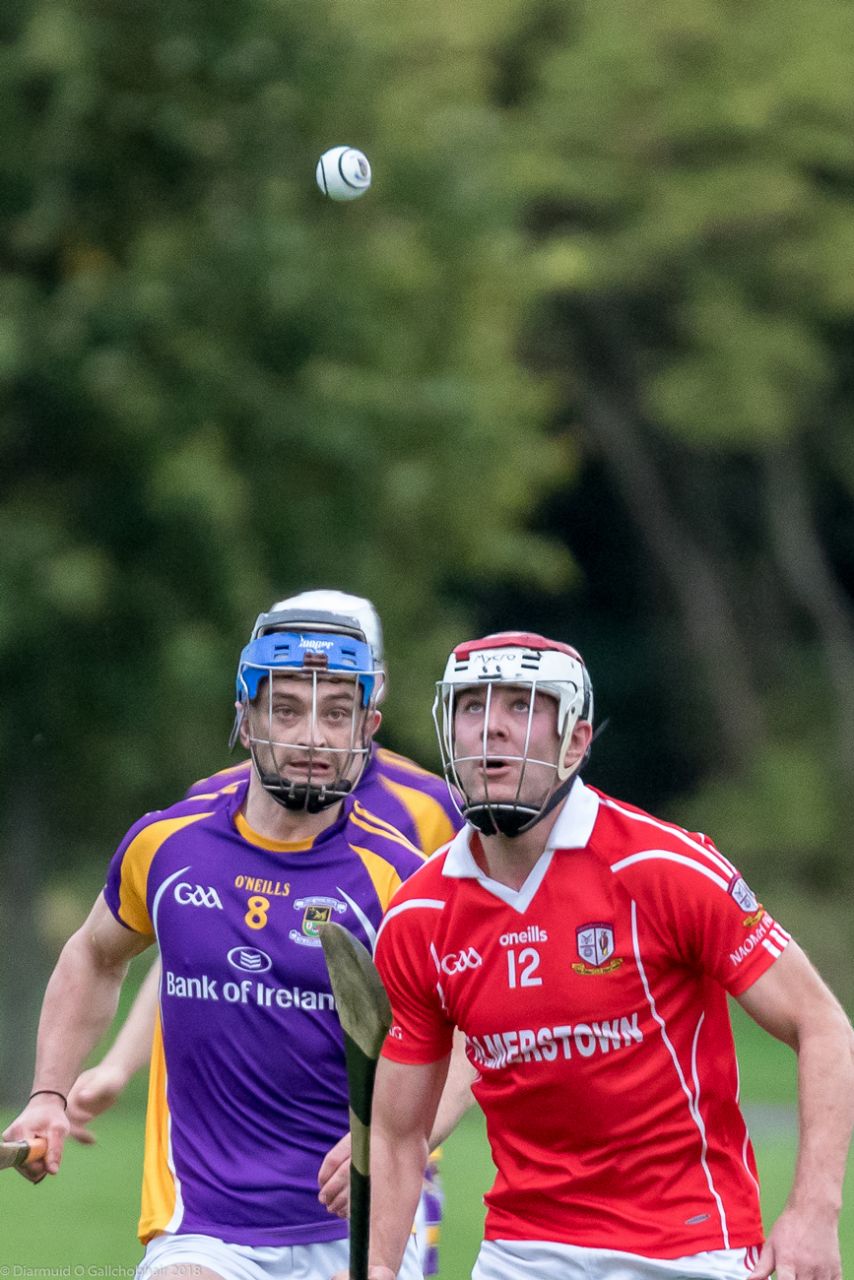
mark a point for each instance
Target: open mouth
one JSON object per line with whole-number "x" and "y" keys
{"x": 317, "y": 768}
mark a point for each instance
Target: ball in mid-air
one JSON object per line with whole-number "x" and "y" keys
{"x": 343, "y": 173}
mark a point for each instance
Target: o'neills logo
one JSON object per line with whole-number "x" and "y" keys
{"x": 270, "y": 888}
{"x": 533, "y": 933}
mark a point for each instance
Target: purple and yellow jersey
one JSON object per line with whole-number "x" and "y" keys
{"x": 248, "y": 1087}
{"x": 415, "y": 801}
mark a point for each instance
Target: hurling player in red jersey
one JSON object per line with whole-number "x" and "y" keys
{"x": 586, "y": 950}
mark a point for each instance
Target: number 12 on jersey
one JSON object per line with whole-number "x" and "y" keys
{"x": 521, "y": 967}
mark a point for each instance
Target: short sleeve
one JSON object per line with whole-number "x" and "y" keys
{"x": 421, "y": 1030}
{"x": 739, "y": 939}
{"x": 127, "y": 891}
{"x": 127, "y": 881}
{"x": 704, "y": 912}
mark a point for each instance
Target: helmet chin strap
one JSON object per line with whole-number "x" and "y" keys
{"x": 300, "y": 796}
{"x": 513, "y": 819}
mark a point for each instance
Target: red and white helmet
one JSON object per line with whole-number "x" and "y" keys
{"x": 527, "y": 660}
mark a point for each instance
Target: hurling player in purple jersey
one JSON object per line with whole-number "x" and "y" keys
{"x": 395, "y": 789}
{"x": 248, "y": 1082}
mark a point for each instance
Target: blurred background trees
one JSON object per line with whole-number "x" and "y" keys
{"x": 581, "y": 360}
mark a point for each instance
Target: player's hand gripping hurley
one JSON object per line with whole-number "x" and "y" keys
{"x": 365, "y": 1016}
{"x": 13, "y": 1155}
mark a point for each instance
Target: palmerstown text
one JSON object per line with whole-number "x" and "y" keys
{"x": 548, "y": 1043}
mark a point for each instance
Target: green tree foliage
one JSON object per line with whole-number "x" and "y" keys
{"x": 688, "y": 173}
{"x": 219, "y": 387}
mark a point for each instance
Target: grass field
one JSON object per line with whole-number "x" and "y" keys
{"x": 83, "y": 1222}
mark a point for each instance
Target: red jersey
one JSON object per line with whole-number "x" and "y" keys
{"x": 594, "y": 1005}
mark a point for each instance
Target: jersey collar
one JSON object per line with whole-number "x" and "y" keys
{"x": 243, "y": 829}
{"x": 574, "y": 824}
{"x": 571, "y": 829}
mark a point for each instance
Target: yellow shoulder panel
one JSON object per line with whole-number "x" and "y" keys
{"x": 362, "y": 817}
{"x": 136, "y": 865}
{"x": 384, "y": 877}
{"x": 432, "y": 823}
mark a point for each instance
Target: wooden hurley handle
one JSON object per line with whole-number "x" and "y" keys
{"x": 15, "y": 1154}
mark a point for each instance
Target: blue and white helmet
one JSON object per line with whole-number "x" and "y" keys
{"x": 335, "y": 605}
{"x": 319, "y": 646}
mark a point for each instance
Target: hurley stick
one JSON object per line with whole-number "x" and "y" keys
{"x": 365, "y": 1016}
{"x": 14, "y": 1154}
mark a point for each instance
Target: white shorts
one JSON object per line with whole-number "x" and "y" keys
{"x": 544, "y": 1260}
{"x": 187, "y": 1253}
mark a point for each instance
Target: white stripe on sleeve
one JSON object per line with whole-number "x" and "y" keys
{"x": 431, "y": 904}
{"x": 664, "y": 856}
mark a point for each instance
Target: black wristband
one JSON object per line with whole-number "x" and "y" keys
{"x": 55, "y": 1093}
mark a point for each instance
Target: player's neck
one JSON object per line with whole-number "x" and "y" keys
{"x": 270, "y": 819}
{"x": 510, "y": 861}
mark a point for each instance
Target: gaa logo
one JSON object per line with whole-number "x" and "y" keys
{"x": 196, "y": 895}
{"x": 459, "y": 961}
{"x": 249, "y": 960}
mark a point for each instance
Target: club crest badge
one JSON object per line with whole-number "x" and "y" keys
{"x": 741, "y": 892}
{"x": 315, "y": 912}
{"x": 595, "y": 946}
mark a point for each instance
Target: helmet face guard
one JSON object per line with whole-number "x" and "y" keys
{"x": 320, "y": 659}
{"x": 535, "y": 665}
